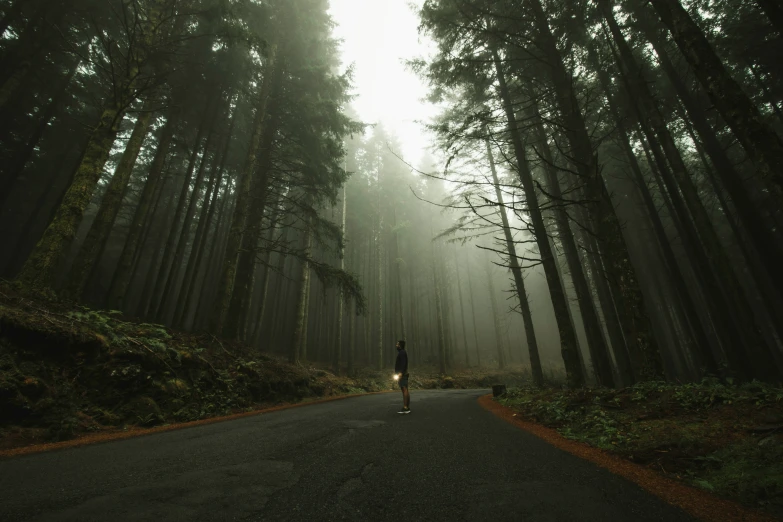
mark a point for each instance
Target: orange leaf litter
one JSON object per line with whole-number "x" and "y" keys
{"x": 695, "y": 502}
{"x": 135, "y": 431}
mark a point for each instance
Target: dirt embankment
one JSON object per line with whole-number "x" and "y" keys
{"x": 67, "y": 371}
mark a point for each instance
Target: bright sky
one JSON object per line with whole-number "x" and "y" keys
{"x": 378, "y": 36}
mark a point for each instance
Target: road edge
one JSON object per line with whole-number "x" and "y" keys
{"x": 695, "y": 502}
{"x": 133, "y": 432}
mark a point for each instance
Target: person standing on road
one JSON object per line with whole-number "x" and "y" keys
{"x": 401, "y": 374}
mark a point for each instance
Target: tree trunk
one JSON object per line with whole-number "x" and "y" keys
{"x": 519, "y": 281}
{"x": 202, "y": 231}
{"x": 611, "y": 317}
{"x": 258, "y": 293}
{"x": 54, "y": 192}
{"x": 305, "y": 326}
{"x": 244, "y": 185}
{"x": 92, "y": 248}
{"x": 351, "y": 340}
{"x": 397, "y": 273}
{"x": 415, "y": 333}
{"x": 214, "y": 260}
{"x": 599, "y": 353}
{"x": 728, "y": 331}
{"x": 762, "y": 144}
{"x": 701, "y": 341}
{"x": 42, "y": 266}
{"x": 301, "y": 306}
{"x": 767, "y": 288}
{"x": 379, "y": 251}
{"x": 473, "y": 313}
{"x": 147, "y": 230}
{"x": 439, "y": 320}
{"x": 341, "y": 297}
{"x": 157, "y": 253}
{"x": 172, "y": 278}
{"x": 244, "y": 279}
{"x": 446, "y": 307}
{"x": 496, "y": 319}
{"x": 704, "y": 231}
{"x": 568, "y": 342}
{"x": 768, "y": 248}
{"x": 368, "y": 319}
{"x": 602, "y": 212}
{"x": 122, "y": 273}
{"x": 263, "y": 305}
{"x": 462, "y": 311}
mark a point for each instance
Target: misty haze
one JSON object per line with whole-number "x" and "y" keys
{"x": 535, "y": 246}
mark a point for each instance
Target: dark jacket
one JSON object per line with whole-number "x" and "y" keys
{"x": 401, "y": 364}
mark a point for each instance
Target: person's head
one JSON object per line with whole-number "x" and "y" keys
{"x": 400, "y": 345}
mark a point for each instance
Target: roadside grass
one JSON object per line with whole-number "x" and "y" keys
{"x": 715, "y": 435}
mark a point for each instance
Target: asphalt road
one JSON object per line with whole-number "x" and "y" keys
{"x": 353, "y": 459}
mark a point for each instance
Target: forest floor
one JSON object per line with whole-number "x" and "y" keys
{"x": 720, "y": 437}
{"x": 69, "y": 372}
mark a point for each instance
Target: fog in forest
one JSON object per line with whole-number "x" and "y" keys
{"x": 588, "y": 190}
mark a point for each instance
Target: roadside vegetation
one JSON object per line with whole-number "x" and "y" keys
{"x": 719, "y": 436}
{"x": 68, "y": 371}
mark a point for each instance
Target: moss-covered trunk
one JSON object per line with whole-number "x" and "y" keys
{"x": 42, "y": 266}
